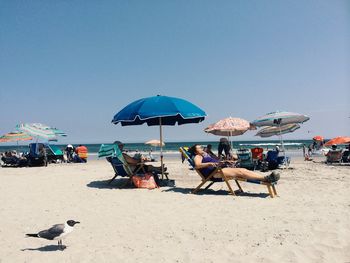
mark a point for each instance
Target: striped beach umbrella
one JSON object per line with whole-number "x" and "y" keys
{"x": 40, "y": 130}
{"x": 15, "y": 137}
{"x": 275, "y": 130}
{"x": 279, "y": 118}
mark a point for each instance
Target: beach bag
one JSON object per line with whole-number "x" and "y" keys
{"x": 145, "y": 181}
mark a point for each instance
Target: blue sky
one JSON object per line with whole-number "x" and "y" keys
{"x": 74, "y": 64}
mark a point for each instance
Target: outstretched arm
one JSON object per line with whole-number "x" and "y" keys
{"x": 130, "y": 160}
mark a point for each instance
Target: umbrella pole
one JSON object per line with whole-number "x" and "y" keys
{"x": 281, "y": 139}
{"x": 161, "y": 146}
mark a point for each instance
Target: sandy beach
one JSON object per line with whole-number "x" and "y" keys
{"x": 308, "y": 222}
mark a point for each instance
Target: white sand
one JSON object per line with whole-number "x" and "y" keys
{"x": 309, "y": 222}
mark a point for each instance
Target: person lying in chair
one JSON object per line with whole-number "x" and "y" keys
{"x": 207, "y": 165}
{"x": 135, "y": 163}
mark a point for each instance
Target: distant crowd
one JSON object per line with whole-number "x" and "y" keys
{"x": 41, "y": 154}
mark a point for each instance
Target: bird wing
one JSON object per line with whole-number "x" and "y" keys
{"x": 52, "y": 232}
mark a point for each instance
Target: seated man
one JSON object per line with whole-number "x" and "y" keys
{"x": 135, "y": 163}
{"x": 334, "y": 155}
{"x": 81, "y": 154}
{"x": 346, "y": 155}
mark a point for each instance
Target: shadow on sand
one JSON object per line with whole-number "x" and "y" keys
{"x": 116, "y": 184}
{"x": 212, "y": 192}
{"x": 48, "y": 248}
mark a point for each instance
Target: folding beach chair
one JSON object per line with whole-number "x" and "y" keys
{"x": 54, "y": 153}
{"x": 274, "y": 161}
{"x": 120, "y": 166}
{"x": 346, "y": 156}
{"x": 257, "y": 157}
{"x": 37, "y": 155}
{"x": 245, "y": 159}
{"x": 211, "y": 179}
{"x": 334, "y": 156}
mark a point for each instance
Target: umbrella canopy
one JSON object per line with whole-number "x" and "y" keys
{"x": 228, "y": 127}
{"x": 159, "y": 110}
{"x": 318, "y": 138}
{"x": 338, "y": 140}
{"x": 280, "y": 118}
{"x": 15, "y": 137}
{"x": 155, "y": 143}
{"x": 273, "y": 130}
{"x": 40, "y": 130}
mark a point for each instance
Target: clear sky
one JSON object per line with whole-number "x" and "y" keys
{"x": 74, "y": 64}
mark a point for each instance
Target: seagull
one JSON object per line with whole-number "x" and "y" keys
{"x": 56, "y": 232}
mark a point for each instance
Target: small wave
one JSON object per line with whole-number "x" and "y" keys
{"x": 271, "y": 144}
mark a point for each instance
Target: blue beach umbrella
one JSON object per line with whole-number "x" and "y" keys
{"x": 159, "y": 110}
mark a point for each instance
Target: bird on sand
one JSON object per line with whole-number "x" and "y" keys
{"x": 56, "y": 232}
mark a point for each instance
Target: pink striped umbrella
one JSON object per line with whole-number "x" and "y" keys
{"x": 229, "y": 127}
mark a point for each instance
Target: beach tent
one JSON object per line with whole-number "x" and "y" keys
{"x": 158, "y": 111}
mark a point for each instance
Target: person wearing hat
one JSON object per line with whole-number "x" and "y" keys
{"x": 69, "y": 152}
{"x": 134, "y": 163}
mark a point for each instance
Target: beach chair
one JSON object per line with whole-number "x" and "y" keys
{"x": 346, "y": 156}
{"x": 37, "y": 155}
{"x": 257, "y": 157}
{"x": 274, "y": 161}
{"x": 245, "y": 159}
{"x": 121, "y": 168}
{"x": 334, "y": 156}
{"x": 54, "y": 153}
{"x": 211, "y": 179}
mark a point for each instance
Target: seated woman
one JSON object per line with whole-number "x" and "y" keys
{"x": 207, "y": 165}
{"x": 209, "y": 151}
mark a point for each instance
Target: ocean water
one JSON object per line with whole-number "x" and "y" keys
{"x": 173, "y": 147}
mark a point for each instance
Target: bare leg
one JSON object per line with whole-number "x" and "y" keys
{"x": 242, "y": 173}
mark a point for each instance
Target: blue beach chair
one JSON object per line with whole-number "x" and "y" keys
{"x": 121, "y": 168}
{"x": 37, "y": 155}
{"x": 274, "y": 161}
{"x": 211, "y": 179}
{"x": 245, "y": 159}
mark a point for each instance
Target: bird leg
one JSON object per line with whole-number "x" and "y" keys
{"x": 60, "y": 246}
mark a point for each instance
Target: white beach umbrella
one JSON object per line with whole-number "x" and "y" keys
{"x": 155, "y": 143}
{"x": 276, "y": 130}
{"x": 279, "y": 118}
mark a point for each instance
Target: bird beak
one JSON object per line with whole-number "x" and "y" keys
{"x": 77, "y": 222}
